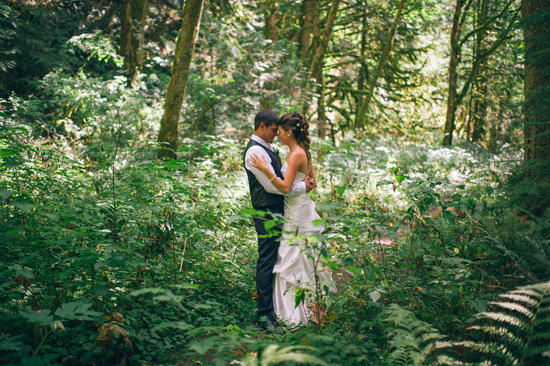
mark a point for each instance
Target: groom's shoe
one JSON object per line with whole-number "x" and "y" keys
{"x": 270, "y": 327}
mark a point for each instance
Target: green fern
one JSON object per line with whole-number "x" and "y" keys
{"x": 273, "y": 355}
{"x": 414, "y": 342}
{"x": 519, "y": 332}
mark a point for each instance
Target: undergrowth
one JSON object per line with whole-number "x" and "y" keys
{"x": 112, "y": 257}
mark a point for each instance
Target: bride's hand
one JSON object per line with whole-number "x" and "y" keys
{"x": 256, "y": 162}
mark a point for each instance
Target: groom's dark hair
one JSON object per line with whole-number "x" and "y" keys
{"x": 266, "y": 117}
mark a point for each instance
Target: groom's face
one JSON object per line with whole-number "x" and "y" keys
{"x": 270, "y": 132}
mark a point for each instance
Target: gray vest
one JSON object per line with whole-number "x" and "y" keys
{"x": 260, "y": 197}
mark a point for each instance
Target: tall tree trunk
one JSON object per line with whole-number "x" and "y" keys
{"x": 316, "y": 70}
{"x": 143, "y": 11}
{"x": 126, "y": 46}
{"x": 309, "y": 8}
{"x": 480, "y": 112}
{"x": 536, "y": 32}
{"x": 185, "y": 48}
{"x": 453, "y": 63}
{"x": 270, "y": 32}
{"x": 360, "y": 119}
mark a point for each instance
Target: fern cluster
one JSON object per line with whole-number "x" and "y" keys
{"x": 516, "y": 333}
{"x": 412, "y": 341}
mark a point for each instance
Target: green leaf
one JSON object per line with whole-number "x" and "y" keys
{"x": 77, "y": 311}
{"x": 10, "y": 344}
{"x": 27, "y": 273}
{"x": 202, "y": 347}
{"x": 299, "y": 296}
{"x": 99, "y": 265}
{"x": 399, "y": 178}
{"x": 175, "y": 325}
{"x": 233, "y": 218}
{"x": 41, "y": 316}
{"x": 375, "y": 295}
{"x": 269, "y": 224}
{"x": 5, "y": 194}
{"x": 448, "y": 215}
{"x": 6, "y": 153}
{"x": 102, "y": 291}
{"x": 24, "y": 207}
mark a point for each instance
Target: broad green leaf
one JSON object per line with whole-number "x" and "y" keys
{"x": 448, "y": 215}
{"x": 41, "y": 316}
{"x": 269, "y": 224}
{"x": 77, "y": 311}
{"x": 24, "y": 207}
{"x": 27, "y": 273}
{"x": 176, "y": 325}
{"x": 10, "y": 344}
{"x": 103, "y": 291}
{"x": 5, "y": 194}
{"x": 203, "y": 346}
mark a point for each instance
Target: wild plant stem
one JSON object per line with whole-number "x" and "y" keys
{"x": 40, "y": 345}
{"x": 113, "y": 180}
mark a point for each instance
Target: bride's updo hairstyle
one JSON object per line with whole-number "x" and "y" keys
{"x": 299, "y": 126}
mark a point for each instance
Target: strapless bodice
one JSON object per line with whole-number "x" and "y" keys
{"x": 299, "y": 175}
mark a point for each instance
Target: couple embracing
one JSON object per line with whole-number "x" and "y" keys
{"x": 284, "y": 265}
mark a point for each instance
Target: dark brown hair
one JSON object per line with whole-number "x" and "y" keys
{"x": 266, "y": 117}
{"x": 299, "y": 126}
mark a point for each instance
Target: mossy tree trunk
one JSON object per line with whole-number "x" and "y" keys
{"x": 185, "y": 48}
{"x": 536, "y": 32}
{"x": 126, "y": 46}
{"x": 316, "y": 69}
{"x": 270, "y": 11}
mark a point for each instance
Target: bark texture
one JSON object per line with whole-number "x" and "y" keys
{"x": 126, "y": 46}
{"x": 360, "y": 120}
{"x": 537, "y": 80}
{"x": 453, "y": 76}
{"x": 306, "y": 26}
{"x": 316, "y": 69}
{"x": 270, "y": 32}
{"x": 185, "y": 48}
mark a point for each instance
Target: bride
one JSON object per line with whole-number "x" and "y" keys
{"x": 298, "y": 260}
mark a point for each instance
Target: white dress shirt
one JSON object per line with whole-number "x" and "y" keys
{"x": 296, "y": 189}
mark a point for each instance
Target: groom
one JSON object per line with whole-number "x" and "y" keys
{"x": 265, "y": 197}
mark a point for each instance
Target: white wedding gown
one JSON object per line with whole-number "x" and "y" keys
{"x": 295, "y": 264}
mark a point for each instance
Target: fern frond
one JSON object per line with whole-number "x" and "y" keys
{"x": 514, "y": 307}
{"x": 512, "y": 320}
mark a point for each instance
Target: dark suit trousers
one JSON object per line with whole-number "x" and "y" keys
{"x": 267, "y": 258}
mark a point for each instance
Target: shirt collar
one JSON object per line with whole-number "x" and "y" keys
{"x": 261, "y": 141}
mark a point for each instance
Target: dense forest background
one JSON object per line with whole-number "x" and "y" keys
{"x": 125, "y": 220}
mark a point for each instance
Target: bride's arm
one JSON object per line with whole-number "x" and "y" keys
{"x": 294, "y": 161}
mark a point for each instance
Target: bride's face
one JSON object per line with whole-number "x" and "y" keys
{"x": 285, "y": 136}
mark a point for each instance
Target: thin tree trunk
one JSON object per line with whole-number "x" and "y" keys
{"x": 144, "y": 8}
{"x": 126, "y": 46}
{"x": 451, "y": 99}
{"x": 363, "y": 70}
{"x": 360, "y": 120}
{"x": 185, "y": 48}
{"x": 537, "y": 81}
{"x": 316, "y": 70}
